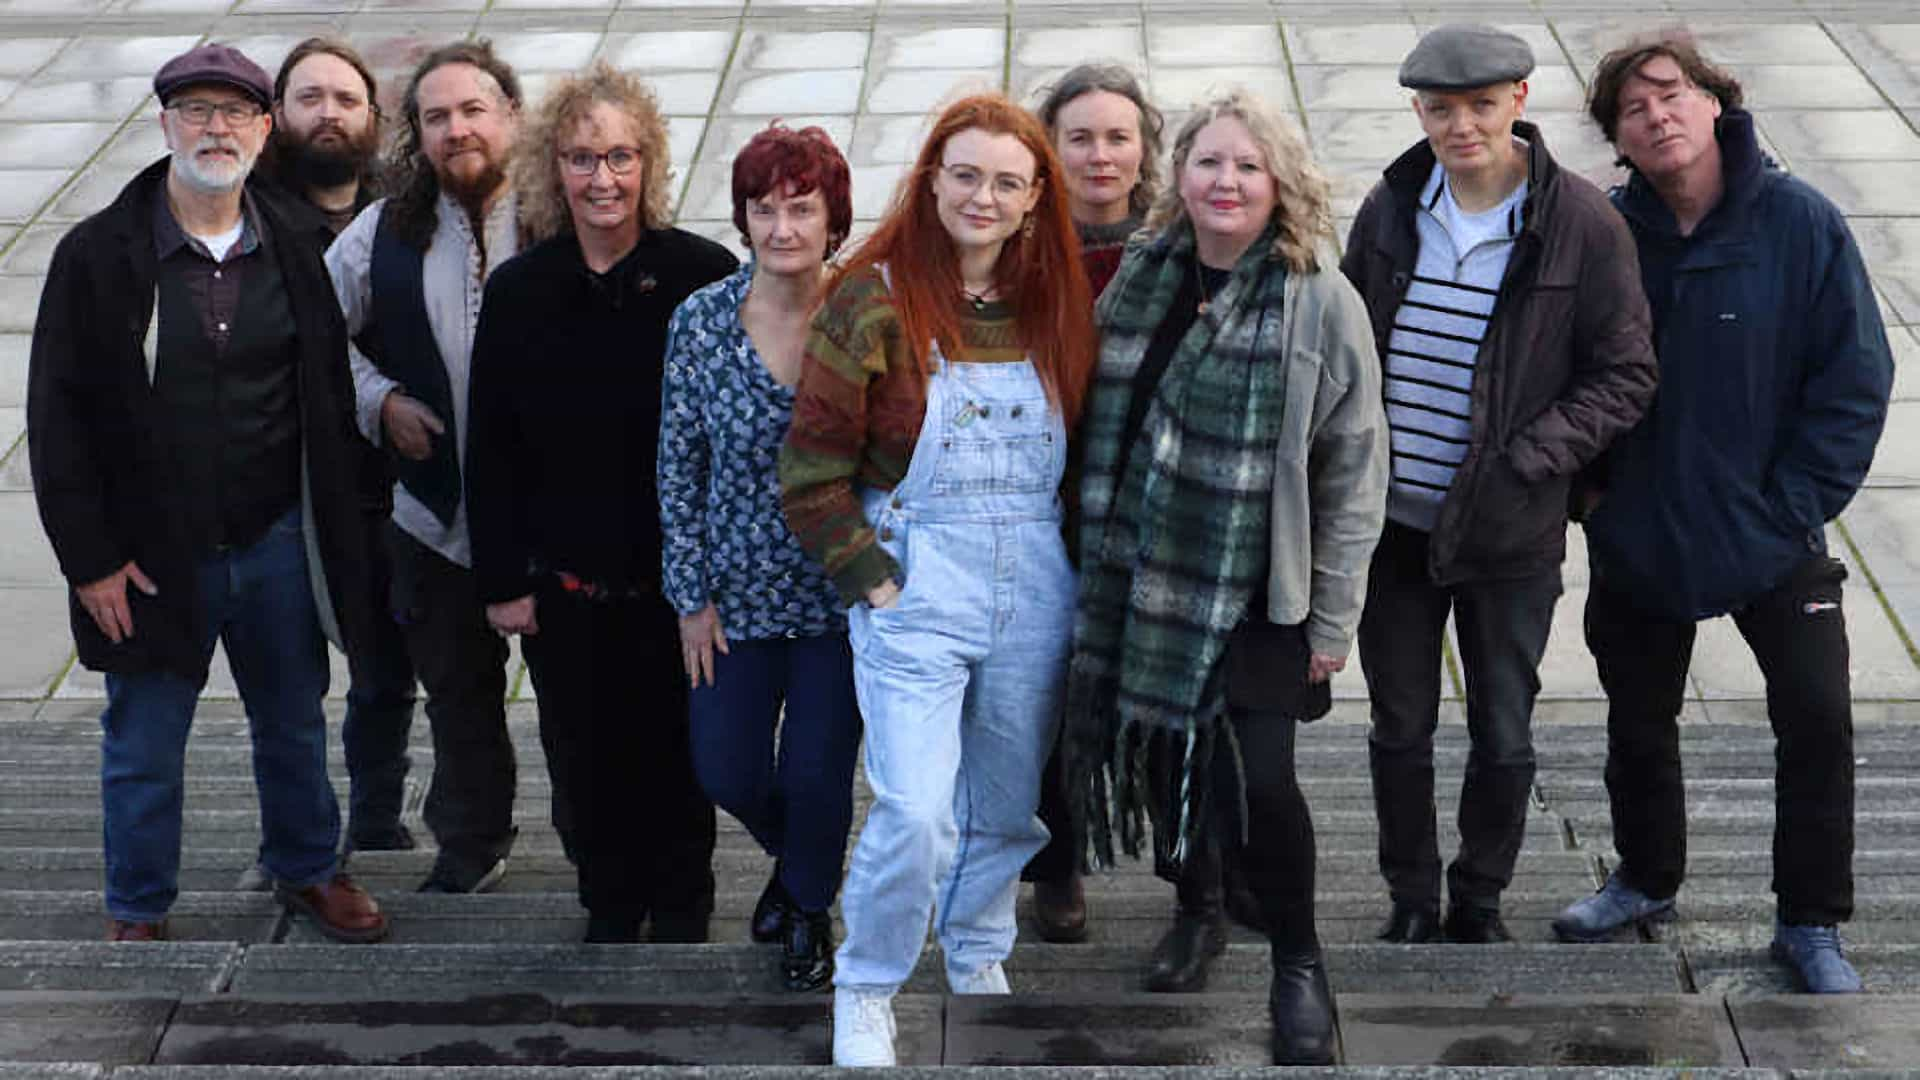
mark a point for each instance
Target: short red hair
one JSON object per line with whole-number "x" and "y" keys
{"x": 1040, "y": 269}
{"x": 800, "y": 162}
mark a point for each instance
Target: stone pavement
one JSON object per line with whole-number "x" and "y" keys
{"x": 497, "y": 980}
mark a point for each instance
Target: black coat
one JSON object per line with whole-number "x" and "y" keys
{"x": 103, "y": 470}
{"x": 1774, "y": 378}
{"x": 1565, "y": 367}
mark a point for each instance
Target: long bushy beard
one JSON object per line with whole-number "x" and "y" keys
{"x": 310, "y": 164}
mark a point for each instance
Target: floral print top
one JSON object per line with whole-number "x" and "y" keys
{"x": 723, "y": 417}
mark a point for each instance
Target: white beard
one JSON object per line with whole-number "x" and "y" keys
{"x": 208, "y": 177}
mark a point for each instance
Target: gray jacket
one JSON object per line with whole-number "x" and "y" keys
{"x": 1330, "y": 479}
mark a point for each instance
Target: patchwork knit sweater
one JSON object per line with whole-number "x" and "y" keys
{"x": 856, "y": 417}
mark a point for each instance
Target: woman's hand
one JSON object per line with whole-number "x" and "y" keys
{"x": 513, "y": 617}
{"x": 884, "y": 595}
{"x": 1320, "y": 667}
{"x": 700, "y": 634}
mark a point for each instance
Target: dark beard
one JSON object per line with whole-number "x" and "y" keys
{"x": 309, "y": 165}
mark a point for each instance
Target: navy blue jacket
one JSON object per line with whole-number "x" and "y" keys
{"x": 1774, "y": 378}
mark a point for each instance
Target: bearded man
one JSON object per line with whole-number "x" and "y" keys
{"x": 409, "y": 272}
{"x": 188, "y": 413}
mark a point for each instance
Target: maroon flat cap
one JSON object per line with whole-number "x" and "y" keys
{"x": 221, "y": 64}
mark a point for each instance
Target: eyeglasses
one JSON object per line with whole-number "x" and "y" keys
{"x": 620, "y": 160}
{"x": 1005, "y": 187}
{"x": 200, "y": 113}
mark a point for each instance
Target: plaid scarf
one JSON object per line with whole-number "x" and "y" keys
{"x": 1173, "y": 540}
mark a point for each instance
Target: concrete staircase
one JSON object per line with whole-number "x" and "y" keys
{"x": 497, "y": 985}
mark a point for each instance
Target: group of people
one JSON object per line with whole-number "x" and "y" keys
{"x": 1067, "y": 490}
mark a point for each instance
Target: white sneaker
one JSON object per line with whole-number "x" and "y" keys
{"x": 991, "y": 979}
{"x": 862, "y": 1028}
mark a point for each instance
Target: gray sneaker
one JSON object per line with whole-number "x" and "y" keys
{"x": 254, "y": 879}
{"x": 1617, "y": 904}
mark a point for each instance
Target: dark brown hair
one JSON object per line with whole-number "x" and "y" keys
{"x": 327, "y": 46}
{"x": 1611, "y": 74}
{"x": 410, "y": 176}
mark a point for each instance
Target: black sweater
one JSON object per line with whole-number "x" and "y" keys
{"x": 564, "y": 417}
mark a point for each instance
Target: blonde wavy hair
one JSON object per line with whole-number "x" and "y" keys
{"x": 1303, "y": 207}
{"x": 534, "y": 167}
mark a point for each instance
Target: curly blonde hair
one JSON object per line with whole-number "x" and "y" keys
{"x": 1303, "y": 204}
{"x": 534, "y": 167}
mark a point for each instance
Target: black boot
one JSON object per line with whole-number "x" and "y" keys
{"x": 771, "y": 912}
{"x": 1411, "y": 925}
{"x": 1301, "y": 1005}
{"x": 614, "y": 928}
{"x": 1185, "y": 953}
{"x": 806, "y": 960}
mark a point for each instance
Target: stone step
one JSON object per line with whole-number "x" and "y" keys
{"x": 1886, "y": 969}
{"x": 110, "y": 1029}
{"x": 1034, "y": 968}
{"x": 154, "y": 968}
{"x": 249, "y": 918}
{"x": 1870, "y": 792}
{"x": 934, "y": 1072}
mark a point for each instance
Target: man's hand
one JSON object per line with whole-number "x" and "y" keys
{"x": 1321, "y": 667}
{"x": 513, "y": 617}
{"x": 410, "y": 426}
{"x": 106, "y": 600}
{"x": 700, "y": 635}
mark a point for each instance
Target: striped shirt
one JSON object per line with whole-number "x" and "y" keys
{"x": 1435, "y": 342}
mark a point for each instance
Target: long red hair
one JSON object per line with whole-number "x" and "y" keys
{"x": 1041, "y": 273}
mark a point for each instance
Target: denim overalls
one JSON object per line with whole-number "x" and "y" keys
{"x": 960, "y": 681}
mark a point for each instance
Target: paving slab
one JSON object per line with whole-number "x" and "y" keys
{"x": 81, "y": 916}
{"x": 154, "y": 968}
{"x": 1101, "y": 1029}
{"x": 955, "y": 1072}
{"x": 111, "y": 1029}
{"x": 524, "y": 1029}
{"x": 1527, "y": 1030}
{"x": 1800, "y": 1030}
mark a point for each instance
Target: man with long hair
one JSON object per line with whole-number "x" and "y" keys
{"x": 325, "y": 146}
{"x": 1774, "y": 377}
{"x": 409, "y": 273}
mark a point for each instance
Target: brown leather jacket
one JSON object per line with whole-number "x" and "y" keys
{"x": 1566, "y": 365}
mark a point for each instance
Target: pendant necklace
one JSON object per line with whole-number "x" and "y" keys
{"x": 977, "y": 299}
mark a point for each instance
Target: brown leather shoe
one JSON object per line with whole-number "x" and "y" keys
{"x": 1060, "y": 910}
{"x": 137, "y": 931}
{"x": 339, "y": 909}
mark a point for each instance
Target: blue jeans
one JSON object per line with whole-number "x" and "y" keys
{"x": 959, "y": 681}
{"x": 258, "y": 601}
{"x": 799, "y": 805}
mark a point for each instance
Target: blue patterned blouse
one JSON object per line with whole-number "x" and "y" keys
{"x": 722, "y": 420}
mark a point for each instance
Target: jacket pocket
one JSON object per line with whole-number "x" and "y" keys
{"x": 1512, "y": 518}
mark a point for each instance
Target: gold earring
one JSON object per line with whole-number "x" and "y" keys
{"x": 1026, "y": 228}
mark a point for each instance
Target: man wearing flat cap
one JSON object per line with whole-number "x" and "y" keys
{"x": 1507, "y": 309}
{"x": 190, "y": 423}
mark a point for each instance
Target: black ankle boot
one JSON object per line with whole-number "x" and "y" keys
{"x": 614, "y": 928}
{"x": 1301, "y": 1005}
{"x": 1185, "y": 954}
{"x": 771, "y": 911}
{"x": 806, "y": 956}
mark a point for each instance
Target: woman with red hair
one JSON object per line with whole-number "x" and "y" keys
{"x": 923, "y": 469}
{"x": 761, "y": 632}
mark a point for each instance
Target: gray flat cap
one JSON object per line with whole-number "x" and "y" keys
{"x": 1461, "y": 56}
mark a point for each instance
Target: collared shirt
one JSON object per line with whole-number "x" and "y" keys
{"x": 455, "y": 275}
{"x": 212, "y": 283}
{"x": 722, "y": 421}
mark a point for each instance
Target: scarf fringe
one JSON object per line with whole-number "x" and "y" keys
{"x": 1120, "y": 799}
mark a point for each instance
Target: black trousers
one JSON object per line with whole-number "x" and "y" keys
{"x": 380, "y": 698}
{"x": 1060, "y": 860}
{"x": 613, "y": 720}
{"x": 1275, "y": 851}
{"x": 1503, "y": 628}
{"x": 462, "y": 664}
{"x": 1798, "y": 635}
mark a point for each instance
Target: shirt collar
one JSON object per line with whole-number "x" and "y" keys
{"x": 169, "y": 237}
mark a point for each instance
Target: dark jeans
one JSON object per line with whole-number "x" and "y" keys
{"x": 463, "y": 666}
{"x": 379, "y": 705}
{"x": 1502, "y": 629}
{"x": 1060, "y": 860}
{"x": 613, "y": 719}
{"x": 259, "y": 601}
{"x": 798, "y": 802}
{"x": 1276, "y": 852}
{"x": 1798, "y": 635}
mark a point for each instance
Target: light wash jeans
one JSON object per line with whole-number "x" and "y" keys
{"x": 960, "y": 681}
